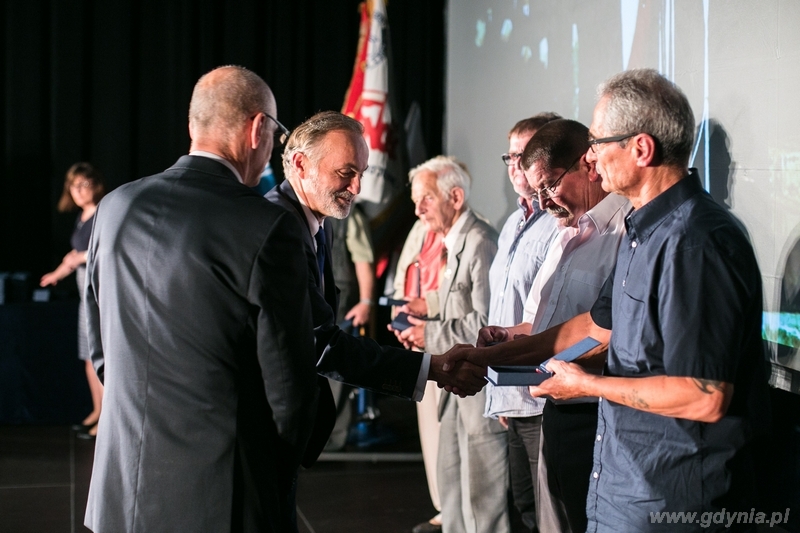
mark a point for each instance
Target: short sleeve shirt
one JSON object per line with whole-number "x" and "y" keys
{"x": 685, "y": 300}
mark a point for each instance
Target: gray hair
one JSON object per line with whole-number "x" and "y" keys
{"x": 307, "y": 136}
{"x": 225, "y": 97}
{"x": 449, "y": 171}
{"x": 644, "y": 101}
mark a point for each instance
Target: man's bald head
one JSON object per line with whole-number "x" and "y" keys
{"x": 233, "y": 115}
{"x": 224, "y": 99}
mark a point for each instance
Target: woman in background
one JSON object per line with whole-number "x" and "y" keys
{"x": 83, "y": 188}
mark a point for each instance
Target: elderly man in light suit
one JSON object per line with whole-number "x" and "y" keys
{"x": 471, "y": 472}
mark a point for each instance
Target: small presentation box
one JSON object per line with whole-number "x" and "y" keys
{"x": 505, "y": 376}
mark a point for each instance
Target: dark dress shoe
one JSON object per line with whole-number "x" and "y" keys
{"x": 427, "y": 527}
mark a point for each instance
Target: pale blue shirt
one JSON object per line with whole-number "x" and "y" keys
{"x": 521, "y": 249}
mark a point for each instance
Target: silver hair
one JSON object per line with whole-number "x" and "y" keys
{"x": 644, "y": 101}
{"x": 449, "y": 171}
{"x": 307, "y": 136}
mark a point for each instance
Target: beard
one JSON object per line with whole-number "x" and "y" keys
{"x": 337, "y": 204}
{"x": 334, "y": 204}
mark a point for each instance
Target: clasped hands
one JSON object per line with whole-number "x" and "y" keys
{"x": 567, "y": 381}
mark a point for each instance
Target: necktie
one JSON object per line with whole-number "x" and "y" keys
{"x": 320, "y": 238}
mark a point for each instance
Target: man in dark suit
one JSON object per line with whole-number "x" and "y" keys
{"x": 324, "y": 160}
{"x": 200, "y": 328}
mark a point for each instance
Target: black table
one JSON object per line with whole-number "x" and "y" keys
{"x": 41, "y": 378}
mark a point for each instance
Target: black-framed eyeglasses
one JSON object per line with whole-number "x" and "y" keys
{"x": 550, "y": 190}
{"x": 511, "y": 158}
{"x": 282, "y": 133}
{"x": 604, "y": 140}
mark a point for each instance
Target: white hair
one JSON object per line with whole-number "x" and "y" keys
{"x": 449, "y": 171}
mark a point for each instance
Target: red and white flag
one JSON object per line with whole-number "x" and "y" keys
{"x": 367, "y": 100}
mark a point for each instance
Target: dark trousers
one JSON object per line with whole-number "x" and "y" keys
{"x": 523, "y": 462}
{"x": 568, "y": 434}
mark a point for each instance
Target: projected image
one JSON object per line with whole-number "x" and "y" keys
{"x": 736, "y": 64}
{"x": 782, "y": 328}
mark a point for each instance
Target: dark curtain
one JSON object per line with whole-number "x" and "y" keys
{"x": 109, "y": 82}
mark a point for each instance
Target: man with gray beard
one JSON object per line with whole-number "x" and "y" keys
{"x": 324, "y": 160}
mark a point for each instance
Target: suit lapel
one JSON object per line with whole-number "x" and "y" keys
{"x": 454, "y": 261}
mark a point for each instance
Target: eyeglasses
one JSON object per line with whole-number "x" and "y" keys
{"x": 511, "y": 158}
{"x": 550, "y": 190}
{"x": 282, "y": 133}
{"x": 81, "y": 185}
{"x": 615, "y": 138}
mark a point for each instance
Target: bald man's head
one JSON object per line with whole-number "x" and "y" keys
{"x": 224, "y": 99}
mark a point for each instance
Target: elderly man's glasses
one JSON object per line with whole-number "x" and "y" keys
{"x": 511, "y": 158}
{"x": 550, "y": 190}
{"x": 282, "y": 133}
{"x": 616, "y": 138}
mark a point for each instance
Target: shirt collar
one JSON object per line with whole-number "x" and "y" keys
{"x": 603, "y": 213}
{"x": 215, "y": 157}
{"x": 313, "y": 222}
{"x": 537, "y": 212}
{"x": 643, "y": 221}
{"x": 452, "y": 235}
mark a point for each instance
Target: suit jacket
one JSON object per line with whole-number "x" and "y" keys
{"x": 200, "y": 328}
{"x": 464, "y": 289}
{"x": 357, "y": 361}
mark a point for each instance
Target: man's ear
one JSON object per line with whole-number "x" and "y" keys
{"x": 457, "y": 197}
{"x": 300, "y": 164}
{"x": 257, "y": 131}
{"x": 591, "y": 169}
{"x": 643, "y": 147}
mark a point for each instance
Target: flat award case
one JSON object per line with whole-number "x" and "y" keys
{"x": 506, "y": 376}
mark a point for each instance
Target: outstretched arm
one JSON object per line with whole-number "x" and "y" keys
{"x": 703, "y": 400}
{"x": 68, "y": 265}
{"x": 534, "y": 349}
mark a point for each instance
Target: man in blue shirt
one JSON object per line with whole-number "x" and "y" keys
{"x": 521, "y": 249}
{"x": 684, "y": 392}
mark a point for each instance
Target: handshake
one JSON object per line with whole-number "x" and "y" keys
{"x": 462, "y": 369}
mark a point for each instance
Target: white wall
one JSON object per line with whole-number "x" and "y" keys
{"x": 737, "y": 61}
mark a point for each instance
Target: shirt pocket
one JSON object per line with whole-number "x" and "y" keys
{"x": 582, "y": 290}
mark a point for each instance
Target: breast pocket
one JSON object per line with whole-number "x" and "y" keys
{"x": 582, "y": 289}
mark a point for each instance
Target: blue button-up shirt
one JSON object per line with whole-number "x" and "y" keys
{"x": 521, "y": 249}
{"x": 685, "y": 300}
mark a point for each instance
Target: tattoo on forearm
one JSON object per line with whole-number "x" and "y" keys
{"x": 708, "y": 386}
{"x": 634, "y": 400}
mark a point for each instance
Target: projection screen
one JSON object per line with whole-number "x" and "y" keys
{"x": 737, "y": 61}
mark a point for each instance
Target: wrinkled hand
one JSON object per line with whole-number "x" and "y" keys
{"x": 491, "y": 335}
{"x": 415, "y": 306}
{"x": 464, "y": 378}
{"x": 413, "y": 336}
{"x": 359, "y": 313}
{"x": 568, "y": 382}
